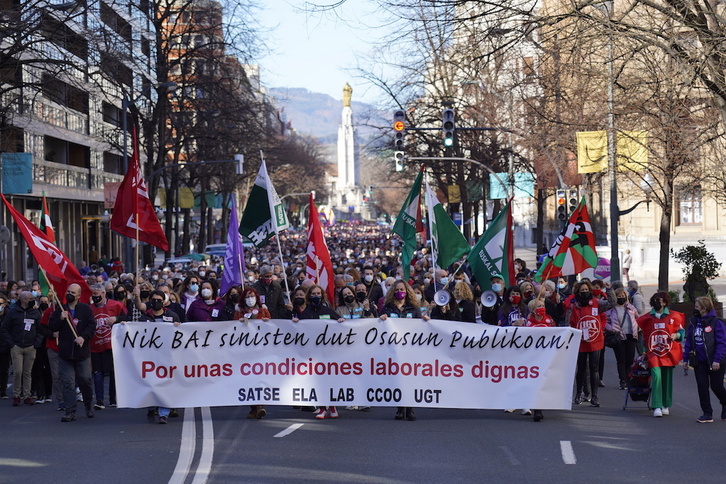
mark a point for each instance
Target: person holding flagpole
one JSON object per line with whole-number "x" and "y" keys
{"x": 74, "y": 326}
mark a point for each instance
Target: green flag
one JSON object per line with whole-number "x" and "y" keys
{"x": 408, "y": 224}
{"x": 264, "y": 214}
{"x": 493, "y": 254}
{"x": 448, "y": 244}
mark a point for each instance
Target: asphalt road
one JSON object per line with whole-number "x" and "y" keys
{"x": 606, "y": 444}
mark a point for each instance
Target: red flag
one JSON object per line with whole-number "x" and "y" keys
{"x": 47, "y": 225}
{"x": 319, "y": 268}
{"x": 133, "y": 206}
{"x": 60, "y": 270}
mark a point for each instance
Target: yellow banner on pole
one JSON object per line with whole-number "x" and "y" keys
{"x": 454, "y": 194}
{"x": 186, "y": 198}
{"x": 592, "y": 151}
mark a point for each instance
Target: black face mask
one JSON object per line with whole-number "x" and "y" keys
{"x": 43, "y": 306}
{"x": 584, "y": 298}
{"x": 109, "y": 295}
{"x": 298, "y": 301}
{"x": 234, "y": 297}
{"x": 97, "y": 299}
{"x": 120, "y": 296}
{"x": 349, "y": 299}
{"x": 658, "y": 306}
{"x": 361, "y": 296}
{"x": 70, "y": 298}
{"x": 156, "y": 305}
{"x": 31, "y": 304}
{"x": 316, "y": 300}
{"x": 144, "y": 294}
{"x": 622, "y": 300}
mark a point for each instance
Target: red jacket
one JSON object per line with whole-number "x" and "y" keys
{"x": 545, "y": 322}
{"x": 591, "y": 322}
{"x": 661, "y": 350}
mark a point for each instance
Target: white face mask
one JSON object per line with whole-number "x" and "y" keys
{"x": 206, "y": 293}
{"x": 427, "y": 280}
{"x": 202, "y": 273}
{"x": 419, "y": 297}
{"x": 368, "y": 277}
{"x": 250, "y": 301}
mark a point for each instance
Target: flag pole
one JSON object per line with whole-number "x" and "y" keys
{"x": 57, "y": 300}
{"x": 242, "y": 255}
{"x": 274, "y": 221}
{"x": 434, "y": 252}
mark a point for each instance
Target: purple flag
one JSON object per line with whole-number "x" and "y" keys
{"x": 234, "y": 257}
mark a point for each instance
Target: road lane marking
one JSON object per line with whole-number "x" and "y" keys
{"x": 568, "y": 453}
{"x": 510, "y": 455}
{"x": 186, "y": 449}
{"x": 288, "y": 430}
{"x": 205, "y": 461}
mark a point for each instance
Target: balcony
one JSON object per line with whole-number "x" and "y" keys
{"x": 59, "y": 174}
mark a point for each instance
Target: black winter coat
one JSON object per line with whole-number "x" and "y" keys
{"x": 85, "y": 327}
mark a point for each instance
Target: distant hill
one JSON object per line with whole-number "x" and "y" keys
{"x": 316, "y": 114}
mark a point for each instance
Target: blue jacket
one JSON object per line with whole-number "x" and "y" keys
{"x": 707, "y": 335}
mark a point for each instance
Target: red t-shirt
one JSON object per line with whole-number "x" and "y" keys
{"x": 591, "y": 322}
{"x": 101, "y": 340}
{"x": 661, "y": 349}
{"x": 545, "y": 322}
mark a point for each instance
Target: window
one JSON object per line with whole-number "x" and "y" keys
{"x": 690, "y": 210}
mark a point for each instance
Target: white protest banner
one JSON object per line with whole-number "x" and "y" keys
{"x": 397, "y": 362}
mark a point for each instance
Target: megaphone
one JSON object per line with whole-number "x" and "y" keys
{"x": 488, "y": 299}
{"x": 442, "y": 297}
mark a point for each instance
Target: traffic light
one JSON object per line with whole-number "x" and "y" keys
{"x": 573, "y": 200}
{"x": 448, "y": 126}
{"x": 239, "y": 161}
{"x": 370, "y": 191}
{"x": 562, "y": 205}
{"x": 398, "y": 157}
{"x": 399, "y": 126}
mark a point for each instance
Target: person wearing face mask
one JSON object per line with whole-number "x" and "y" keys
{"x": 623, "y": 334}
{"x": 299, "y": 302}
{"x": 441, "y": 280}
{"x": 538, "y": 318}
{"x": 4, "y": 351}
{"x": 706, "y": 338}
{"x": 231, "y": 308}
{"x": 586, "y": 314}
{"x": 513, "y": 311}
{"x": 563, "y": 288}
{"x": 106, "y": 313}
{"x": 189, "y": 291}
{"x": 74, "y": 325}
{"x": 251, "y": 308}
{"x": 423, "y": 304}
{"x": 553, "y": 302}
{"x": 142, "y": 293}
{"x": 19, "y": 330}
{"x": 158, "y": 313}
{"x": 271, "y": 294}
{"x": 401, "y": 303}
{"x": 526, "y": 289}
{"x": 662, "y": 331}
{"x": 317, "y": 308}
{"x": 207, "y": 307}
{"x": 349, "y": 307}
{"x": 170, "y": 301}
{"x": 490, "y": 315}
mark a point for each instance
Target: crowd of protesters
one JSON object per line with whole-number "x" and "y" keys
{"x": 61, "y": 363}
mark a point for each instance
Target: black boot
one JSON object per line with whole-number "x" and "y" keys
{"x": 399, "y": 413}
{"x": 409, "y": 414}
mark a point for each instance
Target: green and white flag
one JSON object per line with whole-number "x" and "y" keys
{"x": 448, "y": 244}
{"x": 493, "y": 254}
{"x": 409, "y": 223}
{"x": 264, "y": 214}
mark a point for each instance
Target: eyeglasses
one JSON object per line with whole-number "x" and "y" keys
{"x": 157, "y": 300}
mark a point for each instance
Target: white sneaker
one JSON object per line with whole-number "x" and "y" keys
{"x": 333, "y": 412}
{"x": 510, "y": 410}
{"x": 665, "y": 411}
{"x": 321, "y": 413}
{"x": 352, "y": 407}
{"x": 526, "y": 411}
{"x": 657, "y": 412}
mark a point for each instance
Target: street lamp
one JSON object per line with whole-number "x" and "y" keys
{"x": 125, "y": 103}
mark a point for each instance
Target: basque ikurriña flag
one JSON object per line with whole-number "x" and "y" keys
{"x": 60, "y": 270}
{"x": 573, "y": 250}
{"x": 319, "y": 266}
{"x": 133, "y": 214}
